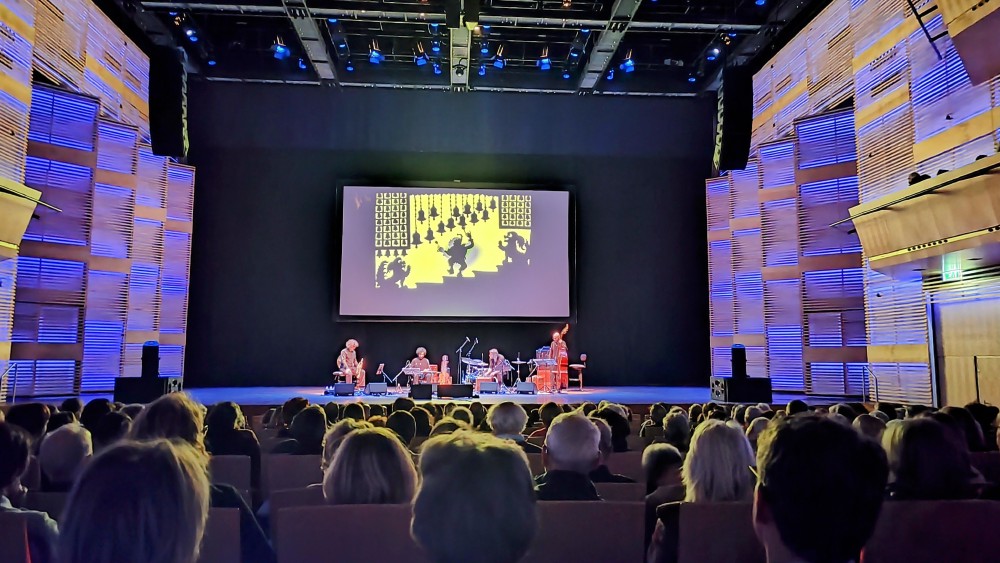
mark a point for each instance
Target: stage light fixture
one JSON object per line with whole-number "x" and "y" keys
{"x": 420, "y": 57}
{"x": 279, "y": 50}
{"x": 544, "y": 62}
{"x": 567, "y": 3}
{"x": 375, "y": 55}
{"x": 437, "y": 68}
{"x": 331, "y": 20}
{"x": 211, "y": 62}
{"x": 713, "y": 54}
{"x": 189, "y": 31}
{"x": 436, "y": 45}
{"x": 193, "y": 38}
{"x": 760, "y": 2}
{"x": 611, "y": 74}
{"x": 349, "y": 66}
{"x": 566, "y": 74}
{"x": 692, "y": 79}
{"x": 302, "y": 65}
{"x": 482, "y": 70}
{"x": 628, "y": 65}
{"x": 484, "y": 48}
{"x": 499, "y": 61}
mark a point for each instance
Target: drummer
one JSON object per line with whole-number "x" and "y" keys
{"x": 422, "y": 363}
{"x": 498, "y": 366}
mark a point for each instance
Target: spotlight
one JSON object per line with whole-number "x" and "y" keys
{"x": 302, "y": 65}
{"x": 349, "y": 67}
{"x": 611, "y": 74}
{"x": 628, "y": 65}
{"x": 189, "y": 32}
{"x": 499, "y": 61}
{"x": 211, "y": 62}
{"x": 375, "y": 56}
{"x": 713, "y": 54}
{"x": 193, "y": 38}
{"x": 760, "y": 2}
{"x": 692, "y": 79}
{"x": 482, "y": 70}
{"x": 437, "y": 68}
{"x": 544, "y": 62}
{"x": 484, "y": 48}
{"x": 172, "y": 14}
{"x": 566, "y": 73}
{"x": 419, "y": 56}
{"x": 331, "y": 20}
{"x": 279, "y": 50}
{"x": 567, "y": 3}
{"x": 436, "y": 45}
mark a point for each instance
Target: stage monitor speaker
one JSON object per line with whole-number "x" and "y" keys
{"x": 421, "y": 391}
{"x": 739, "y": 360}
{"x": 974, "y": 26}
{"x": 150, "y": 360}
{"x": 343, "y": 389}
{"x": 377, "y": 388}
{"x": 168, "y": 102}
{"x": 491, "y": 387}
{"x": 734, "y": 120}
{"x": 526, "y": 388}
{"x": 735, "y": 390}
{"x": 454, "y": 391}
{"x": 145, "y": 390}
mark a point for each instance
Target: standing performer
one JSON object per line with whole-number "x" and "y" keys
{"x": 421, "y": 362}
{"x": 348, "y": 364}
{"x": 497, "y": 368}
{"x": 443, "y": 374}
{"x": 559, "y": 352}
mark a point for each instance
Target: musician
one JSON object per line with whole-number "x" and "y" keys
{"x": 444, "y": 375}
{"x": 347, "y": 363}
{"x": 422, "y": 363}
{"x": 559, "y": 351}
{"x": 497, "y": 369}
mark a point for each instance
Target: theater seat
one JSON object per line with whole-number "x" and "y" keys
{"x": 988, "y": 463}
{"x": 718, "y": 532}
{"x": 232, "y": 470}
{"x": 588, "y": 531}
{"x": 13, "y": 539}
{"x": 918, "y": 531}
{"x": 32, "y": 476}
{"x": 622, "y": 492}
{"x": 308, "y": 496}
{"x": 49, "y": 503}
{"x": 221, "y": 543}
{"x": 282, "y": 471}
{"x": 535, "y": 464}
{"x": 628, "y": 464}
{"x": 358, "y": 533}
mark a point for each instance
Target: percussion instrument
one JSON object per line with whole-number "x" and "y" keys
{"x": 474, "y": 362}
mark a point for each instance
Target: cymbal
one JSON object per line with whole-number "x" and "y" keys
{"x": 518, "y": 362}
{"x": 473, "y": 362}
{"x": 577, "y": 366}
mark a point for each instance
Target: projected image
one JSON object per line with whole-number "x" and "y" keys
{"x": 437, "y": 252}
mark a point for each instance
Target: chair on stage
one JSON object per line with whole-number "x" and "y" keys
{"x": 578, "y": 368}
{"x": 588, "y": 531}
{"x": 13, "y": 539}
{"x": 221, "y": 543}
{"x": 347, "y": 533}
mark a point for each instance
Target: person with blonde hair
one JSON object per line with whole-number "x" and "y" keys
{"x": 138, "y": 501}
{"x": 447, "y": 425}
{"x": 371, "y": 466}
{"x": 755, "y": 429}
{"x": 507, "y": 421}
{"x": 335, "y": 436}
{"x": 63, "y": 454}
{"x": 570, "y": 453}
{"x": 717, "y": 467}
{"x": 474, "y": 473}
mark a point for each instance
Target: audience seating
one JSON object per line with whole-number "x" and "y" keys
{"x": 221, "y": 543}
{"x": 588, "y": 531}
{"x": 347, "y": 533}
{"x": 916, "y": 531}
{"x": 32, "y": 476}
{"x": 535, "y": 463}
{"x": 49, "y": 503}
{"x": 536, "y": 441}
{"x": 622, "y": 492}
{"x": 628, "y": 464}
{"x": 282, "y": 471}
{"x": 988, "y": 463}
{"x": 718, "y": 532}
{"x": 13, "y": 539}
{"x": 307, "y": 496}
{"x": 232, "y": 470}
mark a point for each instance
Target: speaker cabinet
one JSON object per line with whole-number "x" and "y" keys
{"x": 343, "y": 389}
{"x": 454, "y": 391}
{"x": 168, "y": 102}
{"x": 741, "y": 390}
{"x": 377, "y": 388}
{"x": 734, "y": 120}
{"x": 145, "y": 390}
{"x": 739, "y": 360}
{"x": 491, "y": 387}
{"x": 526, "y": 388}
{"x": 421, "y": 391}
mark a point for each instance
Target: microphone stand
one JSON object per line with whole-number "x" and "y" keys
{"x": 395, "y": 379}
{"x": 458, "y": 358}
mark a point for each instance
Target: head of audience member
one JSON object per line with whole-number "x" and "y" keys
{"x": 796, "y": 406}
{"x": 403, "y": 404}
{"x": 160, "y": 494}
{"x": 738, "y": 414}
{"x": 447, "y": 425}
{"x": 548, "y": 412}
{"x": 377, "y": 421}
{"x": 371, "y": 466}
{"x": 132, "y": 410}
{"x": 111, "y": 428}
{"x": 986, "y": 416}
{"x": 448, "y": 407}
{"x": 64, "y": 452}
{"x": 308, "y": 428}
{"x": 291, "y": 408}
{"x": 844, "y": 410}
{"x": 927, "y": 461}
{"x": 891, "y": 410}
{"x": 881, "y": 416}
{"x": 913, "y": 411}
{"x": 465, "y": 473}
{"x": 463, "y": 414}
{"x": 33, "y": 418}
{"x": 73, "y": 405}
{"x": 223, "y": 419}
{"x": 424, "y": 421}
{"x": 661, "y": 464}
{"x": 755, "y": 429}
{"x": 971, "y": 430}
{"x": 587, "y": 408}
{"x": 606, "y": 444}
{"x": 15, "y": 447}
{"x": 175, "y": 416}
{"x": 752, "y": 413}
{"x": 353, "y": 411}
{"x": 507, "y": 420}
{"x": 332, "y": 411}
{"x": 620, "y": 409}
{"x": 656, "y": 413}
{"x": 377, "y": 410}
{"x": 694, "y": 412}
{"x": 572, "y": 444}
{"x": 367, "y": 408}
{"x": 60, "y": 419}
{"x": 404, "y": 425}
{"x": 677, "y": 430}
{"x": 819, "y": 490}
{"x": 335, "y": 436}
{"x": 619, "y": 427}
{"x": 870, "y": 426}
{"x": 717, "y": 466}
{"x": 478, "y": 413}
{"x": 93, "y": 411}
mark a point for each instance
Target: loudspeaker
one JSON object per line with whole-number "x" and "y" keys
{"x": 974, "y": 26}
{"x": 526, "y": 388}
{"x": 454, "y": 391}
{"x": 734, "y": 119}
{"x": 421, "y": 391}
{"x": 168, "y": 102}
{"x": 343, "y": 389}
{"x": 150, "y": 360}
{"x": 739, "y": 359}
{"x": 489, "y": 387}
{"x": 145, "y": 390}
{"x": 377, "y": 388}
{"x": 746, "y": 390}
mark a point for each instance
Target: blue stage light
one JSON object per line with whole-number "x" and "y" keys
{"x": 331, "y": 20}
{"x": 437, "y": 68}
{"x": 499, "y": 63}
{"x": 482, "y": 70}
{"x": 302, "y": 65}
{"x": 611, "y": 74}
{"x": 692, "y": 79}
{"x": 211, "y": 62}
{"x": 279, "y": 50}
{"x": 436, "y": 46}
{"x": 420, "y": 61}
{"x": 375, "y": 57}
{"x": 760, "y": 2}
{"x": 566, "y": 74}
{"x": 349, "y": 67}
{"x": 189, "y": 32}
{"x": 193, "y": 38}
{"x": 628, "y": 65}
{"x": 484, "y": 48}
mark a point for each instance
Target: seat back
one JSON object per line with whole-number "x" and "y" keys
{"x": 537, "y": 440}
{"x": 622, "y": 492}
{"x": 347, "y": 534}
{"x": 961, "y": 530}
{"x": 306, "y": 496}
{"x": 231, "y": 470}
{"x": 221, "y": 543}
{"x": 588, "y": 531}
{"x": 49, "y": 503}
{"x": 32, "y": 476}
{"x": 282, "y": 471}
{"x": 535, "y": 464}
{"x": 988, "y": 463}
{"x": 718, "y": 532}
{"x": 638, "y": 443}
{"x": 628, "y": 464}
{"x": 13, "y": 539}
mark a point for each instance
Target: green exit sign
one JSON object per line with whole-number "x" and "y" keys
{"x": 951, "y": 275}
{"x": 951, "y": 268}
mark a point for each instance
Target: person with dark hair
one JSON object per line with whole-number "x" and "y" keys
{"x": 928, "y": 460}
{"x": 986, "y": 416}
{"x": 971, "y": 431}
{"x": 307, "y": 431}
{"x": 424, "y": 421}
{"x": 33, "y": 418}
{"x": 60, "y": 419}
{"x": 289, "y": 409}
{"x": 463, "y": 414}
{"x": 332, "y": 411}
{"x": 93, "y": 411}
{"x": 796, "y": 406}
{"x": 73, "y": 405}
{"x": 661, "y": 465}
{"x": 403, "y": 404}
{"x": 377, "y": 410}
{"x": 404, "y": 425}
{"x": 819, "y": 490}
{"x": 546, "y": 413}
{"x": 845, "y": 410}
{"x": 43, "y": 533}
{"x": 478, "y": 414}
{"x": 111, "y": 428}
{"x": 653, "y": 426}
{"x": 619, "y": 428}
{"x": 354, "y": 411}
{"x": 587, "y": 408}
{"x": 227, "y": 434}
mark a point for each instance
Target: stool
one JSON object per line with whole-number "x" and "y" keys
{"x": 579, "y": 370}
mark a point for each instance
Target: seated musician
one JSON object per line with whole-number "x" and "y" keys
{"x": 348, "y": 364}
{"x": 497, "y": 366}
{"x": 422, "y": 363}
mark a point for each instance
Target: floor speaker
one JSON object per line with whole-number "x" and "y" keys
{"x": 491, "y": 387}
{"x": 741, "y": 390}
{"x": 421, "y": 391}
{"x": 377, "y": 388}
{"x": 526, "y": 388}
{"x": 455, "y": 391}
{"x": 343, "y": 389}
{"x": 168, "y": 102}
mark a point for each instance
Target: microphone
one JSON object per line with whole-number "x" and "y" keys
{"x": 466, "y": 339}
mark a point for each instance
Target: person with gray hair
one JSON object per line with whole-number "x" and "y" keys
{"x": 570, "y": 453}
{"x": 63, "y": 454}
{"x": 602, "y": 474}
{"x": 507, "y": 420}
{"x": 676, "y": 430}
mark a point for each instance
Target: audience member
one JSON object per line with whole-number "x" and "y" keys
{"x": 986, "y": 416}
{"x": 462, "y": 414}
{"x": 73, "y": 405}
{"x": 927, "y": 461}
{"x": 466, "y": 473}
{"x": 227, "y": 434}
{"x": 404, "y": 425}
{"x": 378, "y": 410}
{"x": 796, "y": 406}
{"x": 819, "y": 490}
{"x": 546, "y": 414}
{"x": 881, "y": 416}
{"x": 353, "y": 411}
{"x": 753, "y": 412}
{"x": 332, "y": 411}
{"x": 43, "y": 533}
{"x": 845, "y": 410}
{"x": 478, "y": 415}
{"x": 656, "y": 413}
{"x": 971, "y": 431}
{"x": 717, "y": 467}
{"x": 132, "y": 411}
{"x": 109, "y": 429}
{"x": 676, "y": 430}
{"x": 661, "y": 465}
{"x": 62, "y": 455}
{"x": 424, "y": 421}
{"x": 289, "y": 409}
{"x": 507, "y": 420}
{"x": 755, "y": 429}
{"x": 378, "y": 421}
{"x": 694, "y": 414}
{"x": 602, "y": 474}
{"x": 870, "y": 426}
{"x": 403, "y": 404}
{"x": 307, "y": 431}
{"x": 59, "y": 419}
{"x": 33, "y": 418}
{"x": 371, "y": 466}
{"x": 571, "y": 452}
{"x": 93, "y": 411}
{"x": 335, "y": 436}
{"x": 138, "y": 502}
{"x": 619, "y": 427}
{"x": 447, "y": 425}
{"x": 587, "y": 408}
